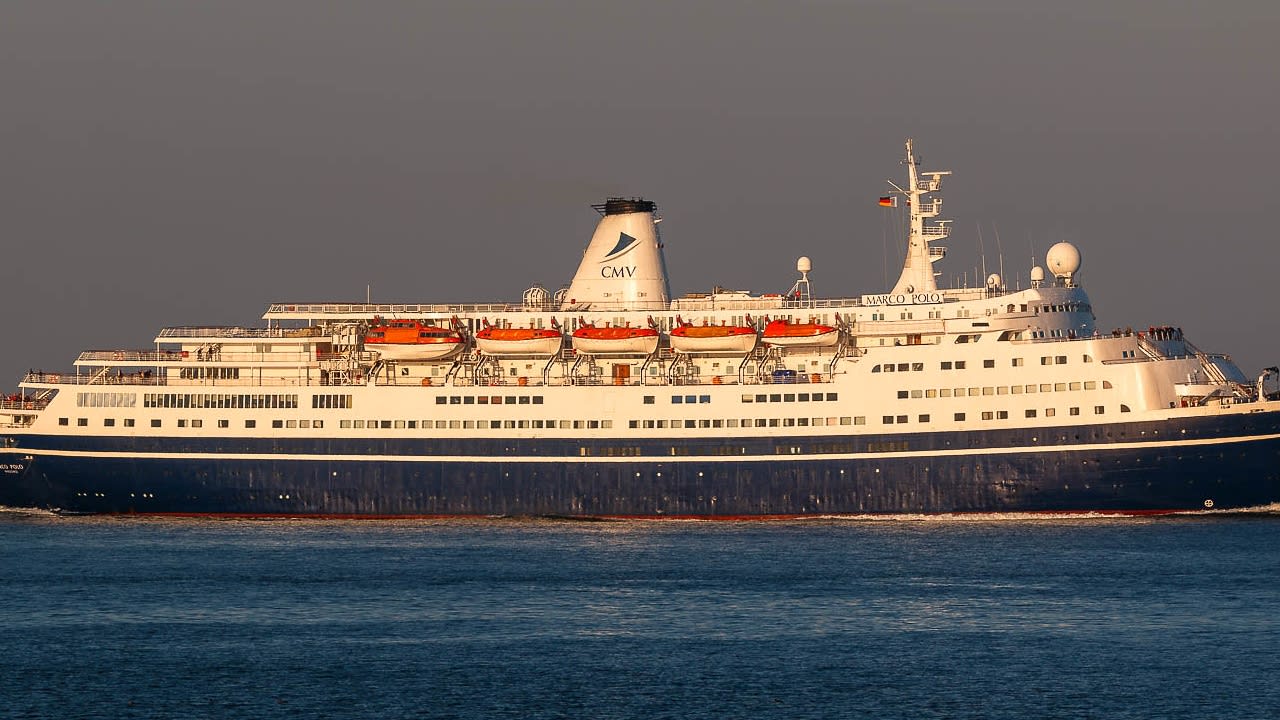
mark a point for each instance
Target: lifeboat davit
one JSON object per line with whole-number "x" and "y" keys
{"x": 713, "y": 338}
{"x": 518, "y": 341}
{"x": 789, "y": 334}
{"x": 609, "y": 340}
{"x": 408, "y": 340}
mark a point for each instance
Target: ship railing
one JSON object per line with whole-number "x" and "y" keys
{"x": 391, "y": 309}
{"x": 232, "y": 332}
{"x": 18, "y": 402}
{"x": 149, "y": 356}
{"x": 90, "y": 357}
{"x": 71, "y": 378}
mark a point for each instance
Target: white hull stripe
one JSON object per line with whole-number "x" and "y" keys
{"x": 538, "y": 459}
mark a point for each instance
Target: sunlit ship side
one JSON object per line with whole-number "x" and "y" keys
{"x": 611, "y": 398}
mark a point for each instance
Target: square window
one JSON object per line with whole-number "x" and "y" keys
{"x": 64, "y": 421}
{"x": 831, "y": 397}
{"x": 648, "y": 399}
{"x": 82, "y": 422}
{"x": 677, "y": 399}
{"x": 277, "y": 424}
{"x": 483, "y": 399}
{"x": 988, "y": 363}
{"x": 1050, "y": 412}
{"x": 1073, "y": 411}
{"x": 440, "y": 400}
{"x": 960, "y": 364}
{"x": 155, "y": 423}
{"x": 468, "y": 400}
{"x": 902, "y": 394}
{"x": 924, "y": 418}
{"x": 109, "y": 422}
{"x": 128, "y": 422}
{"x": 291, "y": 424}
{"x": 344, "y": 424}
{"x": 859, "y": 420}
{"x": 359, "y": 424}
{"x": 902, "y": 419}
{"x": 946, "y": 364}
{"x": 690, "y": 399}
{"x": 252, "y": 424}
{"x": 887, "y": 420}
{"x": 224, "y": 423}
{"x": 1098, "y": 409}
{"x": 182, "y": 423}
{"x": 1002, "y": 414}
{"x": 959, "y": 417}
{"x": 197, "y": 423}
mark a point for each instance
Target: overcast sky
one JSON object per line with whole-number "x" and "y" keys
{"x": 168, "y": 163}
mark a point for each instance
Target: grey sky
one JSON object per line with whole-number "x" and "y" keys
{"x": 183, "y": 163}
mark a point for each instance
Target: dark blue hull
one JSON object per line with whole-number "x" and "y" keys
{"x": 1227, "y": 462}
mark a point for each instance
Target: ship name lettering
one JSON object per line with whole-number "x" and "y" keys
{"x": 614, "y": 271}
{"x": 902, "y": 299}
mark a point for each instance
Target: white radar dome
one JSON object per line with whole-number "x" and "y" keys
{"x": 993, "y": 280}
{"x": 1037, "y": 274}
{"x": 1063, "y": 260}
{"x": 803, "y": 265}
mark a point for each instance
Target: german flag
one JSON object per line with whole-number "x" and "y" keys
{"x": 888, "y": 201}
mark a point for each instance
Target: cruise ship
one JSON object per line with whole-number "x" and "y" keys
{"x": 610, "y": 398}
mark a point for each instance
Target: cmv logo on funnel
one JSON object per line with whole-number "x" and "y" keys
{"x": 626, "y": 244}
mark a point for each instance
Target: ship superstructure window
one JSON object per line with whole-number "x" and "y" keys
{"x": 219, "y": 401}
{"x": 128, "y": 422}
{"x": 1099, "y": 409}
{"x": 82, "y": 422}
{"x": 109, "y": 422}
{"x": 155, "y": 423}
{"x": 988, "y": 363}
{"x": 959, "y": 417}
{"x": 331, "y": 401}
{"x": 209, "y": 373}
{"x": 64, "y": 421}
{"x": 106, "y": 399}
{"x": 1017, "y": 362}
{"x": 250, "y": 424}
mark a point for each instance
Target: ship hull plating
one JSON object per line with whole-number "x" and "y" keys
{"x": 1223, "y": 463}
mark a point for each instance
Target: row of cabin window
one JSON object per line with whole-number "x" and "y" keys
{"x": 489, "y": 399}
{"x": 789, "y": 397}
{"x": 477, "y": 424}
{"x": 210, "y": 373}
{"x": 746, "y": 422}
{"x": 962, "y": 364}
{"x": 1004, "y": 389}
{"x": 197, "y": 423}
{"x": 219, "y": 401}
{"x": 999, "y": 414}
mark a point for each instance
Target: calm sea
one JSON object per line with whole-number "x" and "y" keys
{"x": 919, "y": 618}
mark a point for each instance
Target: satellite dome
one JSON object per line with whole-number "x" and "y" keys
{"x": 1063, "y": 260}
{"x": 1037, "y": 274}
{"x": 993, "y": 280}
{"x": 803, "y": 265}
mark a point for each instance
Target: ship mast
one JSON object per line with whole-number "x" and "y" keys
{"x": 917, "y": 271}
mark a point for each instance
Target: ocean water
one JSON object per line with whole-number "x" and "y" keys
{"x": 1165, "y": 617}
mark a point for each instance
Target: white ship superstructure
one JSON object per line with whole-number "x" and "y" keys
{"x": 610, "y": 397}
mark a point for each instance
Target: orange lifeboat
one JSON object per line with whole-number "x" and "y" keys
{"x": 407, "y": 340}
{"x": 518, "y": 341}
{"x": 789, "y": 334}
{"x": 713, "y": 338}
{"x": 609, "y": 340}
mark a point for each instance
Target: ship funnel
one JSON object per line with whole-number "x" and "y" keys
{"x": 623, "y": 267}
